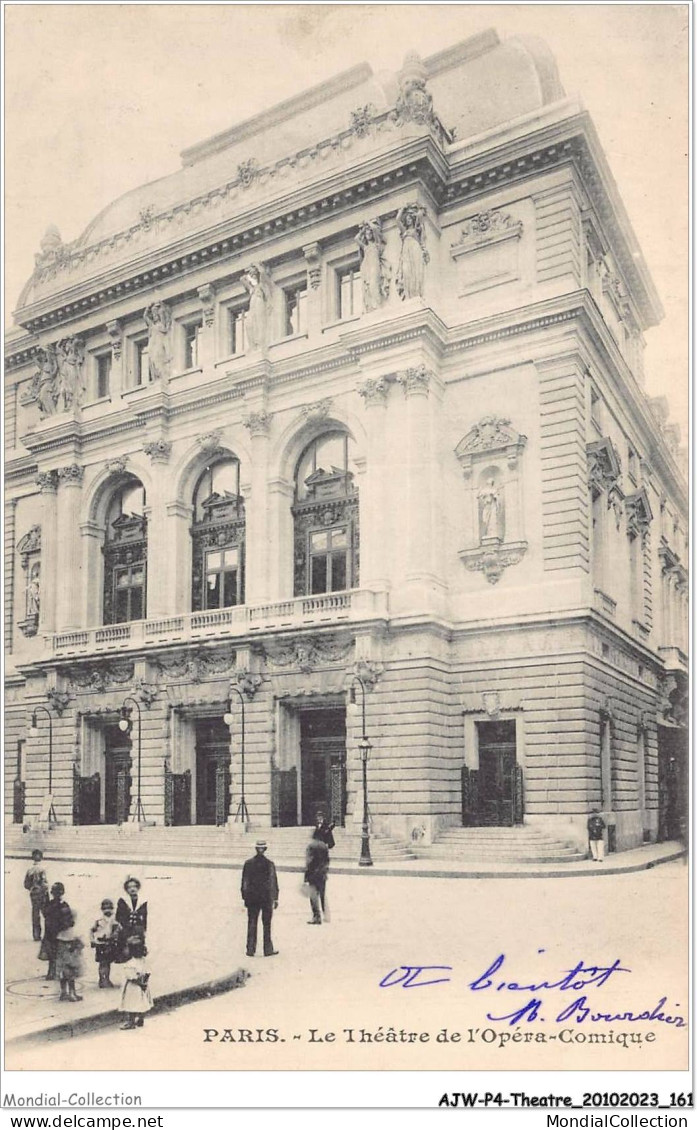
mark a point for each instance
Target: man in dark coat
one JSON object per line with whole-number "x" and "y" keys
{"x": 323, "y": 830}
{"x": 259, "y": 893}
{"x": 316, "y": 870}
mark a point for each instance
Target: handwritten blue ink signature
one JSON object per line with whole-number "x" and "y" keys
{"x": 581, "y": 975}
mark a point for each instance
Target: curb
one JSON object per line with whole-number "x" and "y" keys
{"x": 549, "y": 872}
{"x": 66, "y": 1029}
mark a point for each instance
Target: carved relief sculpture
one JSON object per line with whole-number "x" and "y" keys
{"x": 362, "y": 119}
{"x": 44, "y": 383}
{"x": 29, "y": 548}
{"x": 256, "y": 281}
{"x": 375, "y": 270}
{"x": 158, "y": 319}
{"x": 415, "y": 103}
{"x": 413, "y": 256}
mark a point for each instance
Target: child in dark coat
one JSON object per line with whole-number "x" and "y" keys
{"x": 104, "y": 939}
{"x": 596, "y": 836}
{"x": 56, "y": 913}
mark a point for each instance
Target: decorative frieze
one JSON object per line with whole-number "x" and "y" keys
{"x": 489, "y": 226}
{"x": 492, "y": 559}
{"x": 308, "y": 652}
{"x": 159, "y": 450}
{"x": 72, "y": 475}
{"x": 196, "y": 664}
{"x": 258, "y": 423}
{"x": 318, "y": 411}
{"x": 100, "y": 675}
{"x": 493, "y": 434}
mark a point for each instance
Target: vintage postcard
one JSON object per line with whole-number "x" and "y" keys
{"x": 346, "y": 541}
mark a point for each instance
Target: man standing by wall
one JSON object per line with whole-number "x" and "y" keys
{"x": 259, "y": 893}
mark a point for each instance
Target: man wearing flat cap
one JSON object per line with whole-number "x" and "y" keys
{"x": 259, "y": 893}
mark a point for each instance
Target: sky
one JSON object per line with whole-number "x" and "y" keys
{"x": 100, "y": 98}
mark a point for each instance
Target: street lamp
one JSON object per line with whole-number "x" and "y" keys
{"x": 242, "y": 814}
{"x": 124, "y": 727}
{"x": 364, "y": 747}
{"x": 34, "y": 731}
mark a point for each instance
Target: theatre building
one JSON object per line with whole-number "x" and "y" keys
{"x": 351, "y": 403}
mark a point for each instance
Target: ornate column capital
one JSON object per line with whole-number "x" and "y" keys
{"x": 374, "y": 390}
{"x": 206, "y": 294}
{"x": 159, "y": 450}
{"x": 72, "y": 475}
{"x": 47, "y": 482}
{"x": 258, "y": 423}
{"x": 415, "y": 381}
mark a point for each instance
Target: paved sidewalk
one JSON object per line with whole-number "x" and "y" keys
{"x": 649, "y": 855}
{"x": 184, "y": 965}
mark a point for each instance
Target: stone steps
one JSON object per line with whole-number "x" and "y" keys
{"x": 521, "y": 844}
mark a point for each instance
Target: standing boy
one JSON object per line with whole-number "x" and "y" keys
{"x": 36, "y": 883}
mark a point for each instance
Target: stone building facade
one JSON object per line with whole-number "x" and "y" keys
{"x": 354, "y": 398}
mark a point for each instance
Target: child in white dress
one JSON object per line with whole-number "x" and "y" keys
{"x": 136, "y": 998}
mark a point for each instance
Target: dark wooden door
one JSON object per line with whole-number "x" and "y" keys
{"x": 323, "y": 757}
{"x": 117, "y": 776}
{"x": 212, "y": 771}
{"x": 496, "y": 784}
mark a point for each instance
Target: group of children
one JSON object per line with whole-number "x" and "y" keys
{"x": 115, "y": 938}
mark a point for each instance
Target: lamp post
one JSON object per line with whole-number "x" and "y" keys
{"x": 242, "y": 813}
{"x": 124, "y": 727}
{"x": 364, "y": 747}
{"x": 34, "y": 731}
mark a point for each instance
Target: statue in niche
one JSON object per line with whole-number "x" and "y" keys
{"x": 491, "y": 524}
{"x": 68, "y": 385}
{"x": 374, "y": 266}
{"x": 414, "y": 256}
{"x": 158, "y": 319}
{"x": 256, "y": 281}
{"x": 34, "y": 592}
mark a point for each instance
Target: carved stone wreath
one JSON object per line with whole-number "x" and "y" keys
{"x": 308, "y": 652}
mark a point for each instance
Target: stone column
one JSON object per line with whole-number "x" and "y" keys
{"x": 47, "y": 482}
{"x": 92, "y": 540}
{"x": 417, "y": 384}
{"x": 160, "y": 555}
{"x": 206, "y": 337}
{"x": 68, "y": 564}
{"x": 257, "y": 511}
{"x": 280, "y": 539}
{"x": 178, "y": 539}
{"x": 374, "y": 544}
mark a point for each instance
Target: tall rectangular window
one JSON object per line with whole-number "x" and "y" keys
{"x": 222, "y": 578}
{"x": 142, "y": 363}
{"x": 295, "y": 310}
{"x": 129, "y": 593}
{"x": 329, "y": 560}
{"x": 348, "y": 292}
{"x": 236, "y": 334}
{"x": 103, "y": 375}
{"x": 191, "y": 344}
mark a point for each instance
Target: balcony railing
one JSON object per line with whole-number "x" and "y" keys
{"x": 243, "y": 620}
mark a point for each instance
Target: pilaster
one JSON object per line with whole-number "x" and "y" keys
{"x": 68, "y": 563}
{"x": 257, "y": 510}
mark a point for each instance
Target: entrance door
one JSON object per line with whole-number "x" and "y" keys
{"x": 672, "y": 783}
{"x": 117, "y": 776}
{"x": 496, "y": 780}
{"x": 323, "y": 758}
{"x": 212, "y": 771}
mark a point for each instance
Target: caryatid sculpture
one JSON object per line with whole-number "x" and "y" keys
{"x": 257, "y": 283}
{"x": 158, "y": 319}
{"x": 375, "y": 270}
{"x": 413, "y": 256}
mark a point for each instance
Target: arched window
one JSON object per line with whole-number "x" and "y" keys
{"x": 325, "y": 513}
{"x": 218, "y": 538}
{"x": 125, "y": 555}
